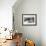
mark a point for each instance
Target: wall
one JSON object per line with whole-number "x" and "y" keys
{"x": 43, "y": 22}
{"x": 6, "y": 13}
{"x": 28, "y": 7}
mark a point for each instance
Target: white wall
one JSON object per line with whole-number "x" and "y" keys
{"x": 28, "y": 7}
{"x": 43, "y": 22}
{"x": 6, "y": 13}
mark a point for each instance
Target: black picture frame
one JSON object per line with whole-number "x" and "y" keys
{"x": 29, "y": 19}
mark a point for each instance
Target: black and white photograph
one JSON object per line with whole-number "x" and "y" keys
{"x": 29, "y": 19}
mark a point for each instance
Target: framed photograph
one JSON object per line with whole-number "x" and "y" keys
{"x": 29, "y": 19}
